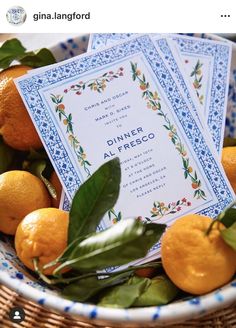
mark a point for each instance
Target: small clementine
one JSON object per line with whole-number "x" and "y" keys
{"x": 229, "y": 164}
{"x": 16, "y": 126}
{"x": 20, "y": 193}
{"x": 196, "y": 262}
{"x": 42, "y": 235}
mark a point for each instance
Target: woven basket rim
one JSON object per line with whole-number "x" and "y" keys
{"x": 145, "y": 315}
{"x": 36, "y": 316}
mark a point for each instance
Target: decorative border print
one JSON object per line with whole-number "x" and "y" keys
{"x": 174, "y": 63}
{"x": 64, "y": 202}
{"x": 173, "y": 60}
{"x": 100, "y": 40}
{"x": 153, "y": 102}
{"x": 218, "y": 53}
{"x": 220, "y": 57}
{"x": 33, "y": 87}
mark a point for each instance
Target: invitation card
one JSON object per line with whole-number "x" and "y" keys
{"x": 173, "y": 61}
{"x": 124, "y": 101}
{"x": 207, "y": 64}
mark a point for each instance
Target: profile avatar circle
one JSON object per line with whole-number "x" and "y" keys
{"x": 16, "y": 15}
{"x": 17, "y": 314}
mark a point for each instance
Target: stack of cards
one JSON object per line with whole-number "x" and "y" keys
{"x": 158, "y": 102}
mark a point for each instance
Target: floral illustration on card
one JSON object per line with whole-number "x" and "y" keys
{"x": 153, "y": 102}
{"x": 197, "y": 76}
{"x": 68, "y": 122}
{"x": 161, "y": 209}
{"x": 113, "y": 216}
{"x": 158, "y": 211}
{"x": 99, "y": 84}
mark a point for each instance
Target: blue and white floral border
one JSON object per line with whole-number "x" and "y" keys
{"x": 176, "y": 70}
{"x": 230, "y": 124}
{"x": 173, "y": 65}
{"x": 100, "y": 40}
{"x": 30, "y": 89}
{"x": 220, "y": 52}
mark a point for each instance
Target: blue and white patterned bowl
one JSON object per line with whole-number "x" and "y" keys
{"x": 15, "y": 276}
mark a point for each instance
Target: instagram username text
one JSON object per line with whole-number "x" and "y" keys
{"x": 59, "y": 16}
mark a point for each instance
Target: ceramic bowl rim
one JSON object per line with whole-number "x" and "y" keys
{"x": 173, "y": 312}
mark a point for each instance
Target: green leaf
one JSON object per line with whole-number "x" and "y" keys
{"x": 229, "y": 142}
{"x": 37, "y": 168}
{"x": 185, "y": 163}
{"x": 165, "y": 126}
{"x": 12, "y": 46}
{"x": 54, "y": 99}
{"x": 40, "y": 58}
{"x": 6, "y": 156}
{"x": 161, "y": 291}
{"x": 93, "y": 199}
{"x": 65, "y": 255}
{"x": 125, "y": 295}
{"x": 132, "y": 66}
{"x": 203, "y": 193}
{"x": 229, "y": 236}
{"x": 9, "y": 51}
{"x": 229, "y": 217}
{"x": 198, "y": 65}
{"x": 86, "y": 288}
{"x": 13, "y": 50}
{"x": 118, "y": 245}
{"x": 119, "y": 216}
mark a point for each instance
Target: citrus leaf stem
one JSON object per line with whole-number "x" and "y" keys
{"x": 38, "y": 271}
{"x": 156, "y": 264}
{"x": 219, "y": 217}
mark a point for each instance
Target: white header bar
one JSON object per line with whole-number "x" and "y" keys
{"x": 122, "y": 16}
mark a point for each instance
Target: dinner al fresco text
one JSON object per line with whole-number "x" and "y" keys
{"x": 126, "y": 141}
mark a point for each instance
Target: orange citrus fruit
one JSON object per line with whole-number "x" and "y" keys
{"x": 42, "y": 234}
{"x": 57, "y": 185}
{"x": 197, "y": 263}
{"x": 229, "y": 164}
{"x": 20, "y": 193}
{"x": 194, "y": 185}
{"x": 16, "y": 126}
